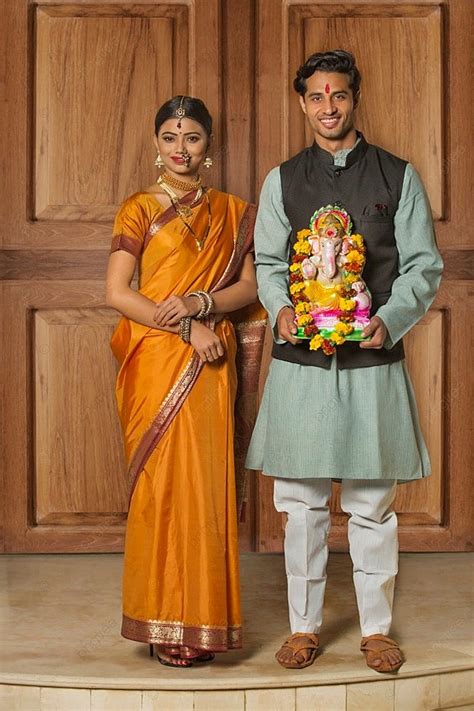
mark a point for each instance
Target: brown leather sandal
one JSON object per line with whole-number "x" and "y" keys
{"x": 382, "y": 654}
{"x": 297, "y": 644}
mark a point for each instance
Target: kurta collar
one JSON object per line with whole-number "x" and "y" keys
{"x": 352, "y": 157}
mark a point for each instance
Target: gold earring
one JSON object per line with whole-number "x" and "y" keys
{"x": 208, "y": 162}
{"x": 159, "y": 161}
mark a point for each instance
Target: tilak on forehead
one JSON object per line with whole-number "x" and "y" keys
{"x": 327, "y": 88}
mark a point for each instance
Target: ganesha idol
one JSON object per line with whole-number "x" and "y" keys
{"x": 332, "y": 302}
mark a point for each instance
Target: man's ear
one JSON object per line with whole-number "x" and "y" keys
{"x": 357, "y": 99}
{"x": 302, "y": 104}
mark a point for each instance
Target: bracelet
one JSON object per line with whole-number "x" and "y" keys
{"x": 206, "y": 301}
{"x": 184, "y": 330}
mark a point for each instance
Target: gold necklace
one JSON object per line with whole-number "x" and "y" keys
{"x": 182, "y": 210}
{"x": 200, "y": 242}
{"x": 178, "y": 207}
{"x": 183, "y": 185}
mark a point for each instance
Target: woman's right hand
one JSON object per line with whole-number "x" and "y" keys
{"x": 207, "y": 345}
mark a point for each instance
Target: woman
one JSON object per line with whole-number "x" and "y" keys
{"x": 176, "y": 390}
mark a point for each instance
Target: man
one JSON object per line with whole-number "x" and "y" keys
{"x": 350, "y": 415}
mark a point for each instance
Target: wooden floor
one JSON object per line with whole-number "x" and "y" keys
{"x": 62, "y": 650}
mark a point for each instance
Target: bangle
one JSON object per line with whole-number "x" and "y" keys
{"x": 206, "y": 301}
{"x": 184, "y": 330}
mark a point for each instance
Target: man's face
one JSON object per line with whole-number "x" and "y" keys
{"x": 329, "y": 105}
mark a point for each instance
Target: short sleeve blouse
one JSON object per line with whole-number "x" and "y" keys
{"x": 130, "y": 227}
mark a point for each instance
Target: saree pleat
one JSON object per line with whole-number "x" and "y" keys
{"x": 181, "y": 569}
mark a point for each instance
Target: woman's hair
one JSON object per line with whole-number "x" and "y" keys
{"x": 337, "y": 60}
{"x": 194, "y": 109}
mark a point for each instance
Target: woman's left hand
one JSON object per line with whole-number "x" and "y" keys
{"x": 172, "y": 309}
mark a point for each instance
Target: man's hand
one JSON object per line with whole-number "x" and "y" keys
{"x": 377, "y": 330}
{"x": 286, "y": 325}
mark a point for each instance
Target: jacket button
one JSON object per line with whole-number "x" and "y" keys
{"x": 337, "y": 173}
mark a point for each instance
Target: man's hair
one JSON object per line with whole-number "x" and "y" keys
{"x": 337, "y": 60}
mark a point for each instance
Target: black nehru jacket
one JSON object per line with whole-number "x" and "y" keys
{"x": 369, "y": 188}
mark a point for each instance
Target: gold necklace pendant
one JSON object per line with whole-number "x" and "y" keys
{"x": 183, "y": 210}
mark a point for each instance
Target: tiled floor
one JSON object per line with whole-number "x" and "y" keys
{"x": 61, "y": 649}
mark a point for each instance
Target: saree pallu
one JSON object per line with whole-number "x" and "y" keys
{"x": 181, "y": 568}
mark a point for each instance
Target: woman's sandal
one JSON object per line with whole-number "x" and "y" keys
{"x": 189, "y": 653}
{"x": 196, "y": 655}
{"x": 382, "y": 654}
{"x": 294, "y": 647}
{"x": 170, "y": 658}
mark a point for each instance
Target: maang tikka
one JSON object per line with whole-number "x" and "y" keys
{"x": 180, "y": 112}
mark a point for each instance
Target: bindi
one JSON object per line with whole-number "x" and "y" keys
{"x": 327, "y": 88}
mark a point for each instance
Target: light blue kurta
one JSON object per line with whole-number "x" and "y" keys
{"x": 359, "y": 423}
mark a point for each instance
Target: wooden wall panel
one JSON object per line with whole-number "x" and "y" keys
{"x": 95, "y": 101}
{"x": 79, "y": 469}
{"x": 399, "y": 54}
{"x": 59, "y": 500}
{"x": 70, "y": 162}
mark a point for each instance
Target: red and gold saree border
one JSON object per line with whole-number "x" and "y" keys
{"x": 168, "y": 410}
{"x": 174, "y": 633}
{"x": 242, "y": 245}
{"x": 168, "y": 215}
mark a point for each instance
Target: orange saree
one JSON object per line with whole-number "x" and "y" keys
{"x": 181, "y": 569}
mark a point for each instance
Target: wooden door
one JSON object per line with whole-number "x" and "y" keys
{"x": 415, "y": 103}
{"x": 80, "y": 85}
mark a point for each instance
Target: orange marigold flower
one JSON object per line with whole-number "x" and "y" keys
{"x": 295, "y": 288}
{"x": 358, "y": 241}
{"x": 316, "y": 342}
{"x": 302, "y": 234}
{"x": 304, "y": 320}
{"x": 343, "y": 328}
{"x": 347, "y": 304}
{"x": 302, "y": 307}
{"x": 336, "y": 338}
{"x": 302, "y": 248}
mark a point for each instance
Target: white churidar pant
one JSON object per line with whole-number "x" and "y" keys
{"x": 373, "y": 545}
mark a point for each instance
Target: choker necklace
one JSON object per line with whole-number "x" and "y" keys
{"x": 183, "y": 185}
